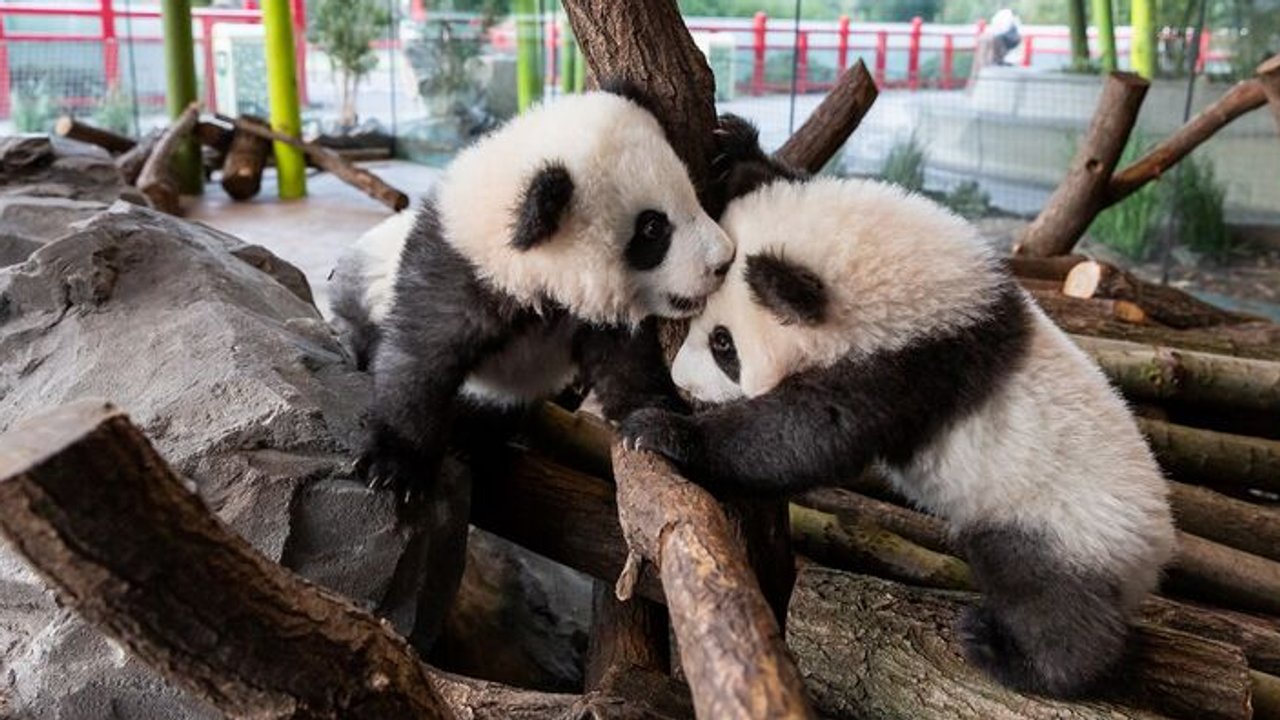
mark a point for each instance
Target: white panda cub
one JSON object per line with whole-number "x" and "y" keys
{"x": 860, "y": 324}
{"x": 546, "y": 246}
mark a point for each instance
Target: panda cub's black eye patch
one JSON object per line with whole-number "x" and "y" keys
{"x": 724, "y": 351}
{"x": 650, "y": 242}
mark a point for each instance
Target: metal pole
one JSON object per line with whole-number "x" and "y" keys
{"x": 282, "y": 95}
{"x": 180, "y": 67}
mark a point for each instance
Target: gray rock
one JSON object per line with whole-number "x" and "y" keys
{"x": 44, "y": 166}
{"x": 243, "y": 388}
{"x": 26, "y": 223}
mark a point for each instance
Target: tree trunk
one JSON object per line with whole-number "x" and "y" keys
{"x": 1163, "y": 304}
{"x": 1067, "y": 214}
{"x": 1160, "y": 374}
{"x": 872, "y": 648}
{"x": 156, "y": 180}
{"x": 1043, "y": 268}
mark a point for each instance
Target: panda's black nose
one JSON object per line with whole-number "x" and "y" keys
{"x": 723, "y": 269}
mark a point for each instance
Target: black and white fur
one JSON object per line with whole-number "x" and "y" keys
{"x": 544, "y": 250}
{"x": 860, "y": 324}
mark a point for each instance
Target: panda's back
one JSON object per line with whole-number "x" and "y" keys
{"x": 1053, "y": 448}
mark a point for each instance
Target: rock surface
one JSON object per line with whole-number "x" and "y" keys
{"x": 242, "y": 387}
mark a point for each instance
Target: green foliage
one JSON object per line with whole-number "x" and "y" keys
{"x": 968, "y": 200}
{"x": 345, "y": 31}
{"x": 961, "y": 68}
{"x": 905, "y": 164}
{"x": 1189, "y": 194}
{"x": 775, "y": 9}
{"x": 442, "y": 59}
{"x": 898, "y": 10}
{"x": 116, "y": 112}
{"x": 32, "y": 108}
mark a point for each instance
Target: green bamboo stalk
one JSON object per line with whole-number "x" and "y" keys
{"x": 528, "y": 68}
{"x": 580, "y": 69}
{"x": 1079, "y": 35}
{"x": 1142, "y": 48}
{"x": 282, "y": 96}
{"x": 180, "y": 76}
{"x": 568, "y": 60}
{"x": 1106, "y": 34}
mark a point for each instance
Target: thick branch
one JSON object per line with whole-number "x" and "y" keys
{"x": 832, "y": 122}
{"x": 330, "y": 162}
{"x": 1250, "y": 340}
{"x": 1225, "y": 576}
{"x": 1269, "y": 76}
{"x": 1078, "y": 199}
{"x": 730, "y": 646}
{"x": 155, "y": 181}
{"x": 131, "y": 162}
{"x": 1044, "y": 268}
{"x": 1245, "y": 96}
{"x": 1152, "y": 372}
{"x": 74, "y": 129}
{"x": 873, "y": 648}
{"x": 1069, "y": 308}
{"x": 1243, "y": 525}
{"x": 245, "y": 161}
{"x": 89, "y": 502}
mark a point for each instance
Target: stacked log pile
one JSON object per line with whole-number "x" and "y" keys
{"x": 238, "y": 149}
{"x": 865, "y": 629}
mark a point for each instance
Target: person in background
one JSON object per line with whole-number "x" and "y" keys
{"x": 1005, "y": 35}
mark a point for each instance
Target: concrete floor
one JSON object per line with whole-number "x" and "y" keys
{"x": 310, "y": 233}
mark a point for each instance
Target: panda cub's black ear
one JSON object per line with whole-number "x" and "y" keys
{"x": 542, "y": 206}
{"x": 793, "y": 293}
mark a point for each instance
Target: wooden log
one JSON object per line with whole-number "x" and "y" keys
{"x": 832, "y": 122}
{"x": 1214, "y": 458}
{"x": 924, "y": 530}
{"x": 1043, "y": 268}
{"x": 245, "y": 161}
{"x": 1269, "y": 77}
{"x": 1041, "y": 287}
{"x": 731, "y": 648}
{"x": 330, "y": 162}
{"x": 1068, "y": 212}
{"x": 1161, "y": 374}
{"x": 87, "y": 500}
{"x": 1240, "y": 99}
{"x": 1249, "y": 340}
{"x": 1243, "y": 525}
{"x": 1259, "y": 642}
{"x": 1225, "y": 576}
{"x": 1058, "y": 305}
{"x": 872, "y": 648}
{"x": 862, "y": 546}
{"x": 1163, "y": 304}
{"x": 625, "y": 637}
{"x": 114, "y": 143}
{"x": 156, "y": 181}
{"x": 215, "y": 134}
{"x": 130, "y": 163}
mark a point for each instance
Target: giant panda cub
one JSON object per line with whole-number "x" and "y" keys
{"x": 546, "y": 246}
{"x": 861, "y": 325}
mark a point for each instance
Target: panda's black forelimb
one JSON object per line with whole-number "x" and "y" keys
{"x": 626, "y": 370}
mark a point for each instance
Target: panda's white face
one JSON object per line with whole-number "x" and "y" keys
{"x": 628, "y": 238}
{"x": 827, "y": 269}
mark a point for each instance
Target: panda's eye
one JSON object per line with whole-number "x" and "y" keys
{"x": 724, "y": 352}
{"x": 650, "y": 241}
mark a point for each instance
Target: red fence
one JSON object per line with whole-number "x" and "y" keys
{"x": 108, "y": 35}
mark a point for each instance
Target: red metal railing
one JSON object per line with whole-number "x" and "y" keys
{"x": 108, "y": 14}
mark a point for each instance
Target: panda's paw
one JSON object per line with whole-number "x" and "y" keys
{"x": 385, "y": 464}
{"x": 669, "y": 434}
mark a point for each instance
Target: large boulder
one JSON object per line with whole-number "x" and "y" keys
{"x": 242, "y": 387}
{"x": 44, "y": 166}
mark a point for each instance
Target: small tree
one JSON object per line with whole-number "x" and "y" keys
{"x": 345, "y": 30}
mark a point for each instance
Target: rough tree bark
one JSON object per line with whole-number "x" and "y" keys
{"x": 155, "y": 181}
{"x": 1214, "y": 458}
{"x": 1068, "y": 212}
{"x": 832, "y": 122}
{"x": 114, "y": 143}
{"x": 1043, "y": 268}
{"x": 1225, "y": 576}
{"x": 1244, "y": 525}
{"x": 731, "y": 648}
{"x": 1269, "y": 76}
{"x": 130, "y": 162}
{"x": 1248, "y": 340}
{"x": 1152, "y": 372}
{"x": 1162, "y": 303}
{"x": 1058, "y": 305}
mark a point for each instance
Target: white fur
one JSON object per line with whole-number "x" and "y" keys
{"x": 1055, "y": 450}
{"x": 376, "y": 257}
{"x": 621, "y": 164}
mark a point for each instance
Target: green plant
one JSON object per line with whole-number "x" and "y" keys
{"x": 905, "y": 164}
{"x": 32, "y": 107}
{"x": 968, "y": 200}
{"x": 116, "y": 112}
{"x": 1189, "y": 195}
{"x": 345, "y": 31}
